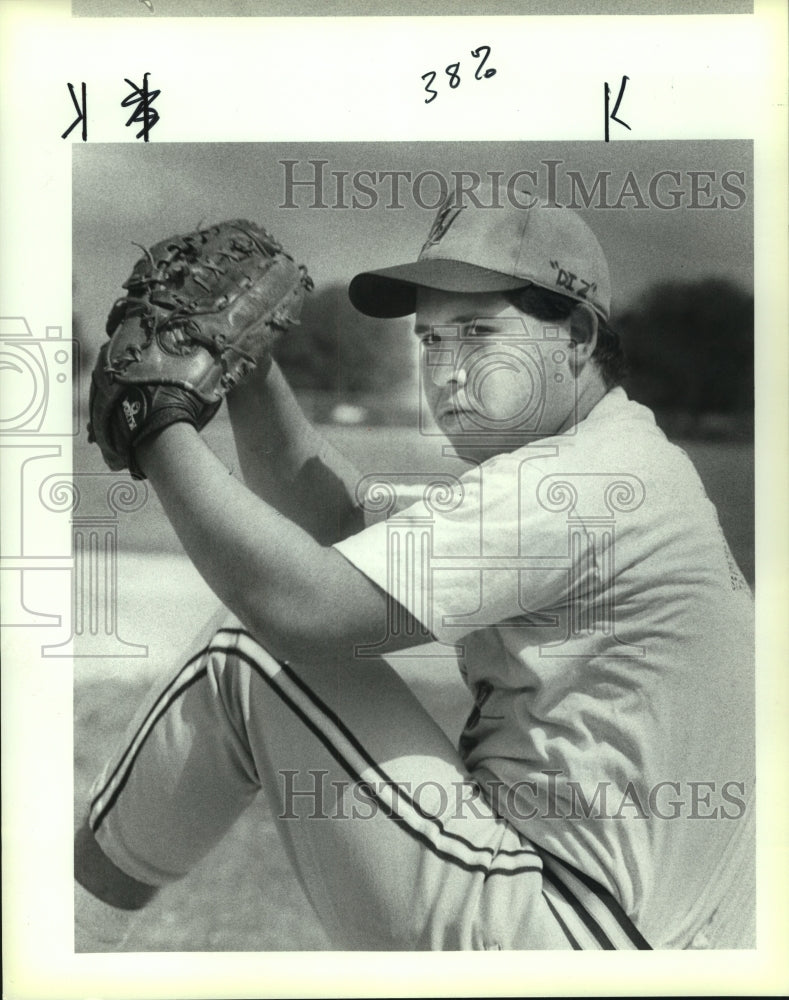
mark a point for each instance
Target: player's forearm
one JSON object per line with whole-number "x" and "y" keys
{"x": 288, "y": 463}
{"x": 279, "y": 581}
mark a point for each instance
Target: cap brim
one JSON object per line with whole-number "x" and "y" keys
{"x": 391, "y": 292}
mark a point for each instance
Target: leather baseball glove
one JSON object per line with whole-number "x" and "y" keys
{"x": 201, "y": 312}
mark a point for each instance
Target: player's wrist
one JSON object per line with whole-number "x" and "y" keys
{"x": 139, "y": 415}
{"x": 155, "y": 450}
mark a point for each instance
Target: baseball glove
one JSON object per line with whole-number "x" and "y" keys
{"x": 201, "y": 312}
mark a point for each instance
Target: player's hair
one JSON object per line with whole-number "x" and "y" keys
{"x": 543, "y": 304}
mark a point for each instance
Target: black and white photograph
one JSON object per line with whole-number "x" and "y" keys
{"x": 467, "y": 443}
{"x": 389, "y": 512}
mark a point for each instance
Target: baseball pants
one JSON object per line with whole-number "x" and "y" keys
{"x": 386, "y": 831}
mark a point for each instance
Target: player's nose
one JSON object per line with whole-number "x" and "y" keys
{"x": 444, "y": 375}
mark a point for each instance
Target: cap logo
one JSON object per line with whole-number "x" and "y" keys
{"x": 443, "y": 220}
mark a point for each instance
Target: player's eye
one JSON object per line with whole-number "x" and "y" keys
{"x": 479, "y": 330}
{"x": 431, "y": 338}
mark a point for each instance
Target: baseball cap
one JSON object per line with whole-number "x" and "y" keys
{"x": 487, "y": 246}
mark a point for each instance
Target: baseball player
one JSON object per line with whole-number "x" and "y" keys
{"x": 601, "y": 796}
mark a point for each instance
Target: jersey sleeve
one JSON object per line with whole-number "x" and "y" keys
{"x": 491, "y": 547}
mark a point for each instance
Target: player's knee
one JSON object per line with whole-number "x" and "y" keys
{"x": 102, "y": 878}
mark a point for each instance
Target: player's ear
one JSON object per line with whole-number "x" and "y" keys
{"x": 583, "y": 336}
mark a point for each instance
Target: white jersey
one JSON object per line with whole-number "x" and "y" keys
{"x": 607, "y": 635}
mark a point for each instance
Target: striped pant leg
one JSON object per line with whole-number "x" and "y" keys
{"x": 179, "y": 777}
{"x": 386, "y": 831}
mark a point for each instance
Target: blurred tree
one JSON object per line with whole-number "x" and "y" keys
{"x": 690, "y": 347}
{"x": 338, "y": 349}
{"x": 88, "y": 348}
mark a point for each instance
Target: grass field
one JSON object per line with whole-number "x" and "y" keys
{"x": 242, "y": 897}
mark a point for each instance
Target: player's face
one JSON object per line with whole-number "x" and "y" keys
{"x": 494, "y": 379}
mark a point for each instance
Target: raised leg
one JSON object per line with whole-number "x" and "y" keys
{"x": 387, "y": 833}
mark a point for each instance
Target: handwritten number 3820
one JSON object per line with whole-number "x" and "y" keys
{"x": 453, "y": 72}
